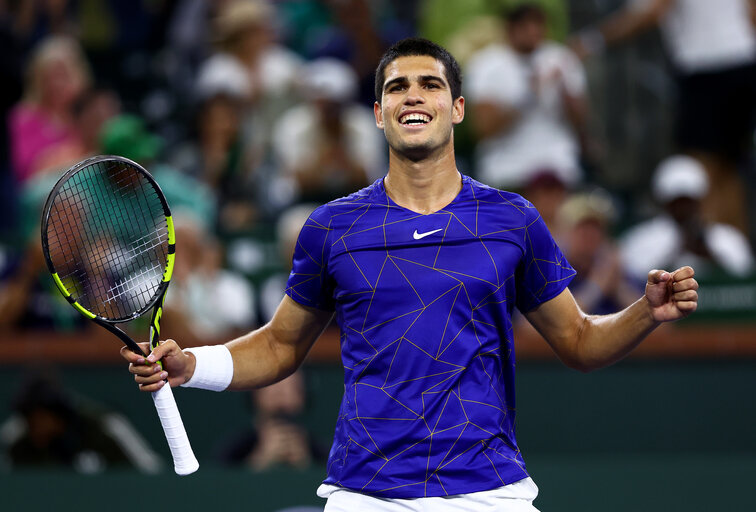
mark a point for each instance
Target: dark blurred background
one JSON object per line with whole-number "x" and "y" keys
{"x": 250, "y": 113}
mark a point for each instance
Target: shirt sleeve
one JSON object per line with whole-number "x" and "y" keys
{"x": 309, "y": 282}
{"x": 544, "y": 271}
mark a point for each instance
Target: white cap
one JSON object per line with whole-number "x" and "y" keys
{"x": 222, "y": 74}
{"x": 680, "y": 176}
{"x": 329, "y": 78}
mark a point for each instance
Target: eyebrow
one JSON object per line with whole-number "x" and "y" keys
{"x": 422, "y": 78}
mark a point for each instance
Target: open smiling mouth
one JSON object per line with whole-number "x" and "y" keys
{"x": 414, "y": 119}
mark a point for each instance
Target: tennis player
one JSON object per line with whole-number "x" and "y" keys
{"x": 423, "y": 270}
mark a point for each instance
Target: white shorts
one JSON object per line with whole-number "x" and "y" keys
{"x": 515, "y": 497}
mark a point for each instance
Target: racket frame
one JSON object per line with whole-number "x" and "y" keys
{"x": 184, "y": 460}
{"x": 158, "y": 297}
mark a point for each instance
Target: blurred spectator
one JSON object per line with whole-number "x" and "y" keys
{"x": 52, "y": 428}
{"x": 216, "y": 155}
{"x": 357, "y": 32}
{"x": 601, "y": 285}
{"x": 276, "y": 436}
{"x": 249, "y": 63}
{"x": 206, "y": 301}
{"x": 680, "y": 235}
{"x": 90, "y": 113}
{"x": 463, "y": 26}
{"x": 528, "y": 104}
{"x": 127, "y": 135}
{"x": 329, "y": 145}
{"x": 712, "y": 46}
{"x": 28, "y": 296}
{"x": 547, "y": 192}
{"x": 288, "y": 226}
{"x": 57, "y": 76}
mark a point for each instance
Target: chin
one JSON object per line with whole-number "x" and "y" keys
{"x": 415, "y": 152}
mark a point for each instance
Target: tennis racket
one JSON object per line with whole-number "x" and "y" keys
{"x": 109, "y": 242}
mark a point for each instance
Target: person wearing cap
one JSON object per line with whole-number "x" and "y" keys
{"x": 601, "y": 285}
{"x": 328, "y": 145}
{"x": 249, "y": 64}
{"x": 679, "y": 234}
{"x": 711, "y": 47}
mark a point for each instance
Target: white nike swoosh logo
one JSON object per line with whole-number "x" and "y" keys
{"x": 418, "y": 236}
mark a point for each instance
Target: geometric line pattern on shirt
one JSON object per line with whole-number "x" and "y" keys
{"x": 426, "y": 335}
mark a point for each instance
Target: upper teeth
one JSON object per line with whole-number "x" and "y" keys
{"x": 422, "y": 118}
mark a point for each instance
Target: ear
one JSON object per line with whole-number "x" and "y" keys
{"x": 378, "y": 111}
{"x": 458, "y": 110}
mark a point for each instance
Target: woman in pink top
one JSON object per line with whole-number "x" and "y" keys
{"x": 57, "y": 75}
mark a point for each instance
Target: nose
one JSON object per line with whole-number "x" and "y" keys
{"x": 414, "y": 95}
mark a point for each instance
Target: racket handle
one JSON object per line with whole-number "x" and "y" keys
{"x": 184, "y": 461}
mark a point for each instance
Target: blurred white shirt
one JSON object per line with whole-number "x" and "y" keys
{"x": 297, "y": 138}
{"x": 708, "y": 35}
{"x": 657, "y": 243}
{"x": 542, "y": 137}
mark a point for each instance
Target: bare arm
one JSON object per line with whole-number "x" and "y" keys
{"x": 623, "y": 25}
{"x": 588, "y": 342}
{"x": 261, "y": 357}
{"x": 274, "y": 351}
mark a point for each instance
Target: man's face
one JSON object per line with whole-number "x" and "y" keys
{"x": 527, "y": 34}
{"x": 417, "y": 112}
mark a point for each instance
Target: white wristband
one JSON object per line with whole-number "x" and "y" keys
{"x": 214, "y": 368}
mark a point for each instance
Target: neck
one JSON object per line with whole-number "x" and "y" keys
{"x": 424, "y": 186}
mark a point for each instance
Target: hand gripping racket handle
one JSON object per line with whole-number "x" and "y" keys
{"x": 184, "y": 461}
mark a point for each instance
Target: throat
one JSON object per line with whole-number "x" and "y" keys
{"x": 423, "y": 195}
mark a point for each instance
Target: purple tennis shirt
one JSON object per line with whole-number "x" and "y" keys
{"x": 424, "y": 304}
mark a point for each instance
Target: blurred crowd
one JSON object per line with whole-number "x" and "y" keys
{"x": 249, "y": 113}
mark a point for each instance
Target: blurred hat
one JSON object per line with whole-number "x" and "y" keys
{"x": 127, "y": 135}
{"x": 222, "y": 75}
{"x": 596, "y": 205}
{"x": 240, "y": 15}
{"x": 679, "y": 176}
{"x": 330, "y": 79}
{"x": 545, "y": 178}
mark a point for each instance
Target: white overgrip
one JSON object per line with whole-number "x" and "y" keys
{"x": 184, "y": 461}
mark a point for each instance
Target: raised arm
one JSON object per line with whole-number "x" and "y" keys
{"x": 261, "y": 357}
{"x": 620, "y": 26}
{"x": 588, "y": 342}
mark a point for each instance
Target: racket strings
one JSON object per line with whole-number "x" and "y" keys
{"x": 149, "y": 242}
{"x": 108, "y": 235}
{"x": 133, "y": 283}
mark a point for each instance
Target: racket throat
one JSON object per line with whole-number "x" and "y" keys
{"x": 133, "y": 346}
